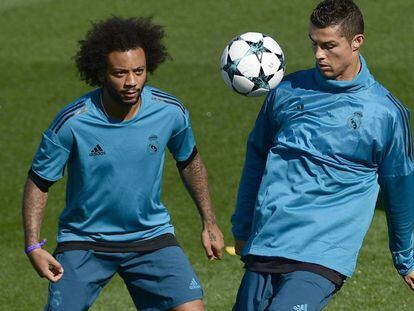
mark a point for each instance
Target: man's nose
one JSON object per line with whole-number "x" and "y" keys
{"x": 319, "y": 53}
{"x": 131, "y": 79}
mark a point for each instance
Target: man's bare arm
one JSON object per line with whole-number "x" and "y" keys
{"x": 34, "y": 203}
{"x": 195, "y": 178}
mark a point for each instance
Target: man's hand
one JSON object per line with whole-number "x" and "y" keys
{"x": 238, "y": 246}
{"x": 212, "y": 240}
{"x": 46, "y": 265}
{"x": 409, "y": 279}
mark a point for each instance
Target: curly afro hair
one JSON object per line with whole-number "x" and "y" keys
{"x": 339, "y": 12}
{"x": 119, "y": 34}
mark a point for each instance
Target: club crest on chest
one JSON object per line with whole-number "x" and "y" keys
{"x": 153, "y": 144}
{"x": 354, "y": 121}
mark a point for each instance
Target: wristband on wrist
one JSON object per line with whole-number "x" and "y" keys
{"x": 31, "y": 248}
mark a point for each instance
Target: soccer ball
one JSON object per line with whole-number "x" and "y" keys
{"x": 252, "y": 64}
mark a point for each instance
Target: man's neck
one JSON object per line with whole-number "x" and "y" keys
{"x": 351, "y": 72}
{"x": 116, "y": 110}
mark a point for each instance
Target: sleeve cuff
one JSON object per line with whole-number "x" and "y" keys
{"x": 41, "y": 183}
{"x": 183, "y": 164}
{"x": 404, "y": 261}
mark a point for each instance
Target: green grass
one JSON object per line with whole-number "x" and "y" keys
{"x": 38, "y": 78}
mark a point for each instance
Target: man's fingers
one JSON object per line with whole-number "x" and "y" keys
{"x": 214, "y": 251}
{"x": 53, "y": 276}
{"x": 55, "y": 271}
{"x": 409, "y": 282}
{"x": 55, "y": 266}
{"x": 209, "y": 254}
{"x": 217, "y": 252}
{"x": 208, "y": 250}
{"x": 409, "y": 279}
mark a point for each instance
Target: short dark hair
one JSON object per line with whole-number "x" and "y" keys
{"x": 119, "y": 34}
{"x": 339, "y": 12}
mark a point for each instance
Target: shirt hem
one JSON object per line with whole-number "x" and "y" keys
{"x": 273, "y": 253}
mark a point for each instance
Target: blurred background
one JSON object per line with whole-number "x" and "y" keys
{"x": 38, "y": 77}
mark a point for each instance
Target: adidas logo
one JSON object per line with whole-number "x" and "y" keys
{"x": 301, "y": 307}
{"x": 194, "y": 284}
{"x": 97, "y": 151}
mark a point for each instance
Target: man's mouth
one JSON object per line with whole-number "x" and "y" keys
{"x": 323, "y": 66}
{"x": 130, "y": 94}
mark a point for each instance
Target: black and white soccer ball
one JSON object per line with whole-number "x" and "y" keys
{"x": 252, "y": 64}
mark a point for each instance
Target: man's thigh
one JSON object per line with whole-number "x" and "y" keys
{"x": 85, "y": 274}
{"x": 160, "y": 280}
{"x": 296, "y": 291}
{"x": 255, "y": 292}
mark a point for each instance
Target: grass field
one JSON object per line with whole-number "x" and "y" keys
{"x": 38, "y": 77}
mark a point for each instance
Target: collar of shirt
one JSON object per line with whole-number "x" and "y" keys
{"x": 363, "y": 80}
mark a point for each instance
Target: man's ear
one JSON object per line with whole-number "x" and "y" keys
{"x": 357, "y": 42}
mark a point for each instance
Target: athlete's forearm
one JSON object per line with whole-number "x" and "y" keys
{"x": 195, "y": 179}
{"x": 34, "y": 202}
{"x": 400, "y": 218}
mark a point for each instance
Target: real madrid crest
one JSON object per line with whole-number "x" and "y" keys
{"x": 354, "y": 121}
{"x": 153, "y": 144}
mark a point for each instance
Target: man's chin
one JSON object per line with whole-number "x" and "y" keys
{"x": 129, "y": 102}
{"x": 121, "y": 99}
{"x": 327, "y": 73}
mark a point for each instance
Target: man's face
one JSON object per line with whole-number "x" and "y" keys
{"x": 335, "y": 56}
{"x": 125, "y": 76}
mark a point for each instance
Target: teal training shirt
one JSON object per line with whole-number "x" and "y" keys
{"x": 315, "y": 159}
{"x": 114, "y": 168}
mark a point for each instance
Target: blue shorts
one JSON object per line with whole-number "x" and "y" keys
{"x": 157, "y": 280}
{"x": 295, "y": 291}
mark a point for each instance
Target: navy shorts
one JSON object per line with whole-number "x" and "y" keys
{"x": 295, "y": 291}
{"x": 157, "y": 280}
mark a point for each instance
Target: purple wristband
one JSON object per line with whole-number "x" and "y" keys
{"x": 33, "y": 247}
